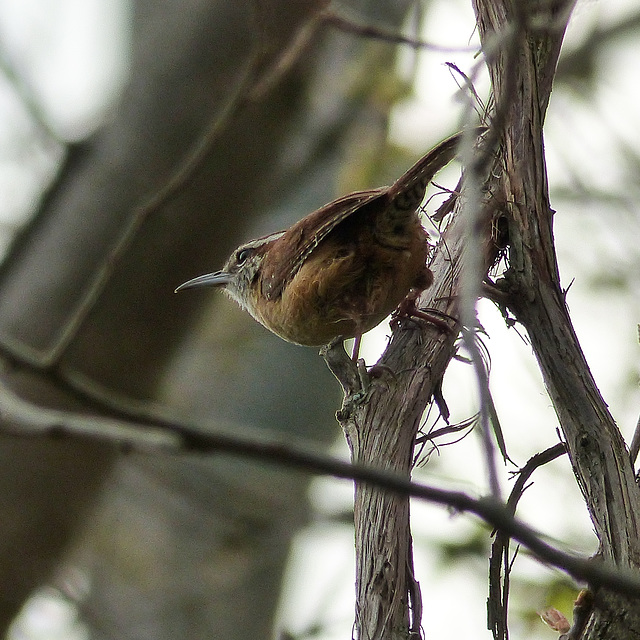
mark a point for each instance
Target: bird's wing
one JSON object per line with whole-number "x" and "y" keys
{"x": 299, "y": 241}
{"x": 404, "y": 195}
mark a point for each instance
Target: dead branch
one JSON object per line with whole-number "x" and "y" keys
{"x": 600, "y": 460}
{"x": 153, "y": 435}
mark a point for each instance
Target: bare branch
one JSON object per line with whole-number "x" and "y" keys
{"x": 500, "y": 562}
{"x": 534, "y": 295}
{"x": 536, "y": 299}
{"x": 392, "y": 37}
{"x": 21, "y": 419}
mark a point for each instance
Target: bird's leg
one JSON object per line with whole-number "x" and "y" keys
{"x": 361, "y": 366}
{"x": 357, "y": 341}
{"x": 363, "y": 375}
{"x": 409, "y": 309}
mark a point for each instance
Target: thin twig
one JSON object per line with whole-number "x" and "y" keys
{"x": 635, "y": 443}
{"x": 535, "y": 462}
{"x": 349, "y": 25}
{"x": 433, "y": 433}
{"x": 177, "y": 181}
{"x": 472, "y": 274}
{"x": 499, "y": 564}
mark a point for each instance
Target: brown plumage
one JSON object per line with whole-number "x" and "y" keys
{"x": 342, "y": 269}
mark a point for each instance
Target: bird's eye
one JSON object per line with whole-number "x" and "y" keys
{"x": 242, "y": 255}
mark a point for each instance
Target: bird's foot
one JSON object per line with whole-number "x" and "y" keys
{"x": 408, "y": 309}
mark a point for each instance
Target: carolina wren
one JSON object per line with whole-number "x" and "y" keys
{"x": 342, "y": 269}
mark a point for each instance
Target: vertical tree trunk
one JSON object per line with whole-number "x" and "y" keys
{"x": 381, "y": 431}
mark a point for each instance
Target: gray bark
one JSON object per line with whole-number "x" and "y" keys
{"x": 522, "y": 74}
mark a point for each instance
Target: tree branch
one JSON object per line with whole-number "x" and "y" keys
{"x": 500, "y": 560}
{"x": 596, "y": 448}
{"x": 23, "y": 419}
{"x": 532, "y": 287}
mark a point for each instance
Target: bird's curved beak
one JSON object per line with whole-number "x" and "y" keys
{"x": 217, "y": 279}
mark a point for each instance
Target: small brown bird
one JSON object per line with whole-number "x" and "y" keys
{"x": 342, "y": 269}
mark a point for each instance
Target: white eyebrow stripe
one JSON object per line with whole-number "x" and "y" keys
{"x": 259, "y": 242}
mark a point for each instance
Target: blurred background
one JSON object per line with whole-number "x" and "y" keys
{"x": 101, "y": 101}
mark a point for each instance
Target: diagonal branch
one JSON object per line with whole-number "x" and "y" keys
{"x": 532, "y": 290}
{"x": 595, "y": 445}
{"x": 152, "y": 435}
